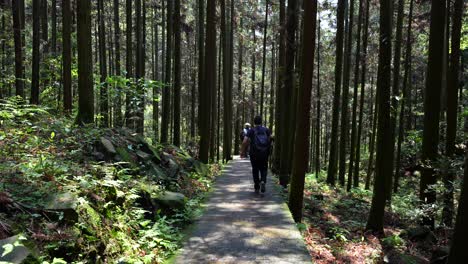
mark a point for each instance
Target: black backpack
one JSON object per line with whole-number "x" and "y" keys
{"x": 261, "y": 142}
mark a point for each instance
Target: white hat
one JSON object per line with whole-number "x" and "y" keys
{"x": 247, "y": 124}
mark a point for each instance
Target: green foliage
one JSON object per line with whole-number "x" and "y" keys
{"x": 393, "y": 241}
{"x": 339, "y": 233}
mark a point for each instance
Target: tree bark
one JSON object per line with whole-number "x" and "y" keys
{"x": 129, "y": 64}
{"x": 352, "y": 155}
{"x": 383, "y": 167}
{"x": 405, "y": 91}
{"x": 35, "y": 52}
{"x": 301, "y": 141}
{"x": 85, "y": 64}
{"x": 452, "y": 106}
{"x": 458, "y": 252}
{"x": 345, "y": 100}
{"x": 432, "y": 105}
{"x": 333, "y": 160}
{"x": 166, "y": 104}
{"x": 66, "y": 56}
{"x": 117, "y": 34}
{"x": 18, "y": 39}
{"x": 265, "y": 29}
{"x": 363, "y": 86}
{"x": 177, "y": 73}
{"x": 104, "y": 101}
{"x": 209, "y": 79}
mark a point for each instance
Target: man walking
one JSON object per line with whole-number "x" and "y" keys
{"x": 259, "y": 138}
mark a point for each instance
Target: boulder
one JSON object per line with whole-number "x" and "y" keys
{"x": 440, "y": 255}
{"x": 143, "y": 155}
{"x": 172, "y": 166}
{"x": 65, "y": 203}
{"x": 108, "y": 146}
{"x": 420, "y": 233}
{"x": 170, "y": 200}
{"x": 12, "y": 250}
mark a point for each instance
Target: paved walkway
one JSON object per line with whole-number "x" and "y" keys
{"x": 240, "y": 226}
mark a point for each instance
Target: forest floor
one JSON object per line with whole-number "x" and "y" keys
{"x": 335, "y": 222}
{"x": 239, "y": 226}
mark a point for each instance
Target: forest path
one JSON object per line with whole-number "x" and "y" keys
{"x": 239, "y": 226}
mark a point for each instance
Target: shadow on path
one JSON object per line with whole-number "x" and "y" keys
{"x": 240, "y": 226}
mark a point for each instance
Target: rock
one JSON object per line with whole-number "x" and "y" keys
{"x": 172, "y": 166}
{"x": 421, "y": 233}
{"x": 143, "y": 155}
{"x": 99, "y": 156}
{"x": 63, "y": 203}
{"x": 12, "y": 250}
{"x": 108, "y": 146}
{"x": 156, "y": 172}
{"x": 440, "y": 255}
{"x": 146, "y": 147}
{"x": 195, "y": 165}
{"x": 170, "y": 200}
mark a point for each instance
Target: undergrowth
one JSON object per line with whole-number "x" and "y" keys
{"x": 42, "y": 156}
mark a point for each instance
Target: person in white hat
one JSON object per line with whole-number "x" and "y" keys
{"x": 243, "y": 134}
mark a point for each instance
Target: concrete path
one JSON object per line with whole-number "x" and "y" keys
{"x": 240, "y": 226}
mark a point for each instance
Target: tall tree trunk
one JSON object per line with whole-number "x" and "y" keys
{"x": 452, "y": 105}
{"x": 239, "y": 115}
{"x": 140, "y": 35}
{"x": 373, "y": 114}
{"x": 352, "y": 152}
{"x": 363, "y": 86}
{"x": 289, "y": 86}
{"x": 166, "y": 104}
{"x": 3, "y": 91}
{"x": 129, "y": 64}
{"x": 18, "y": 39}
{"x": 35, "y": 52}
{"x": 318, "y": 109}
{"x": 432, "y": 105}
{"x": 333, "y": 160}
{"x": 280, "y": 98}
{"x": 458, "y": 252}
{"x": 157, "y": 77}
{"x": 118, "y": 102}
{"x": 177, "y": 73}
{"x": 53, "y": 38}
{"x": 384, "y": 168}
{"x": 254, "y": 57}
{"x": 265, "y": 29}
{"x": 301, "y": 141}
{"x": 44, "y": 25}
{"x": 406, "y": 81}
{"x": 396, "y": 85}
{"x": 272, "y": 86}
{"x": 201, "y": 56}
{"x": 345, "y": 100}
{"x": 66, "y": 55}
{"x": 104, "y": 101}
{"x": 209, "y": 79}
{"x": 231, "y": 76}
{"x": 85, "y": 64}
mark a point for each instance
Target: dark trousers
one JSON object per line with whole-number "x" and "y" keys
{"x": 259, "y": 166}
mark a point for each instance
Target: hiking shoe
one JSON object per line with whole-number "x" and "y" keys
{"x": 262, "y": 187}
